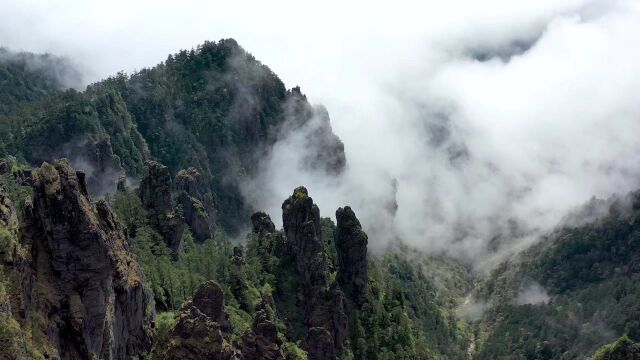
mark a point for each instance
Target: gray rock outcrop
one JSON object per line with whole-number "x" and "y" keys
{"x": 84, "y": 281}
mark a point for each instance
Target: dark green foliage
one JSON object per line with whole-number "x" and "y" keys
{"x": 218, "y": 109}
{"x": 404, "y": 317}
{"x": 15, "y": 192}
{"x": 328, "y": 232}
{"x": 592, "y": 275}
{"x": 173, "y": 277}
{"x": 622, "y": 349}
{"x": 26, "y": 78}
{"x": 215, "y": 108}
{"x": 62, "y": 124}
{"x": 594, "y": 252}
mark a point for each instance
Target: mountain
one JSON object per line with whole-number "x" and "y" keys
{"x": 214, "y": 108}
{"x": 27, "y": 77}
{"x": 572, "y": 292}
{"x": 123, "y": 235}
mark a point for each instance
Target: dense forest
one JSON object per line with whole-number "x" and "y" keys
{"x": 123, "y": 235}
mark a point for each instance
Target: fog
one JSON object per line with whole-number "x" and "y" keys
{"x": 533, "y": 294}
{"x": 484, "y": 121}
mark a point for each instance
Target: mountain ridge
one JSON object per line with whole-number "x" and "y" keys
{"x": 154, "y": 164}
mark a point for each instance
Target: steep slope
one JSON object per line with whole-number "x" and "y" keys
{"x": 84, "y": 281}
{"x": 563, "y": 298}
{"x": 214, "y": 108}
{"x": 284, "y": 289}
{"x": 95, "y": 132}
{"x": 27, "y": 78}
{"x": 622, "y": 349}
{"x": 217, "y": 109}
{"x": 178, "y": 139}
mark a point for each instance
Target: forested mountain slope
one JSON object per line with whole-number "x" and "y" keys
{"x": 26, "y": 78}
{"x": 124, "y": 249}
{"x": 215, "y": 108}
{"x": 574, "y": 291}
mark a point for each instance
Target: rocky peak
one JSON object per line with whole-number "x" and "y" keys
{"x": 209, "y": 298}
{"x": 188, "y": 181}
{"x": 155, "y": 187}
{"x": 322, "y": 304}
{"x": 325, "y": 149}
{"x": 194, "y": 208}
{"x": 198, "y": 333}
{"x": 121, "y": 186}
{"x": 261, "y": 340}
{"x": 262, "y": 224}
{"x": 84, "y": 281}
{"x": 301, "y": 220}
{"x": 155, "y": 193}
{"x": 351, "y": 248}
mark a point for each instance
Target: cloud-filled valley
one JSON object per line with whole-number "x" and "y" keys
{"x": 471, "y": 136}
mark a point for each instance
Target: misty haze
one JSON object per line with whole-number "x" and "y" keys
{"x": 259, "y": 180}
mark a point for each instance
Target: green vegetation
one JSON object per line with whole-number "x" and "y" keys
{"x": 623, "y": 348}
{"x": 27, "y": 78}
{"x": 173, "y": 277}
{"x": 405, "y": 318}
{"x": 212, "y": 107}
{"x": 592, "y": 276}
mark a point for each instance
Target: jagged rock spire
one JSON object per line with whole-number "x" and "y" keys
{"x": 351, "y": 247}
{"x": 191, "y": 199}
{"x": 322, "y": 302}
{"x": 262, "y": 224}
{"x": 198, "y": 333}
{"x": 155, "y": 187}
{"x": 155, "y": 193}
{"x": 95, "y": 304}
{"x": 301, "y": 220}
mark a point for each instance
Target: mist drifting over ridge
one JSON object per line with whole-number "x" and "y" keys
{"x": 485, "y": 129}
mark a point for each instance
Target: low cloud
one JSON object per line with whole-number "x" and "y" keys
{"x": 482, "y": 156}
{"x": 472, "y": 309}
{"x": 485, "y": 122}
{"x": 60, "y": 72}
{"x": 533, "y": 294}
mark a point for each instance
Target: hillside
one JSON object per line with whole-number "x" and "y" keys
{"x": 124, "y": 235}
{"x": 215, "y": 108}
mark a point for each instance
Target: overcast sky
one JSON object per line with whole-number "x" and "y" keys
{"x": 493, "y": 117}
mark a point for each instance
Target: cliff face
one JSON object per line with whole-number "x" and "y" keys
{"x": 155, "y": 193}
{"x": 261, "y": 341}
{"x": 195, "y": 209}
{"x": 101, "y": 166}
{"x": 322, "y": 302}
{"x": 8, "y": 227}
{"x": 215, "y": 107}
{"x": 84, "y": 282}
{"x": 155, "y": 188}
{"x": 198, "y": 333}
{"x": 351, "y": 248}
